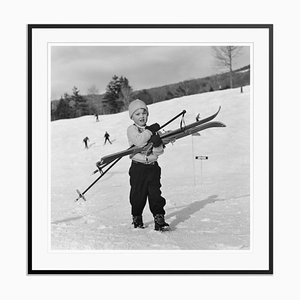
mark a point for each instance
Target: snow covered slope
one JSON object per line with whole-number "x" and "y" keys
{"x": 208, "y": 201}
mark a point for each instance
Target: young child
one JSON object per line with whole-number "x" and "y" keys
{"x": 144, "y": 171}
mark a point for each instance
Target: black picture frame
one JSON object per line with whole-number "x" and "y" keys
{"x": 30, "y": 255}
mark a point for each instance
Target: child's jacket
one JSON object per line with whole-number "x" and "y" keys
{"x": 139, "y": 136}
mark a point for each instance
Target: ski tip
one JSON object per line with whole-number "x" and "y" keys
{"x": 216, "y": 124}
{"x": 99, "y": 166}
{"x": 99, "y": 163}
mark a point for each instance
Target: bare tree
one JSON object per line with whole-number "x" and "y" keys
{"x": 225, "y": 56}
{"x": 185, "y": 87}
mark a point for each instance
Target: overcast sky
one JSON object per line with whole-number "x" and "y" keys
{"x": 144, "y": 66}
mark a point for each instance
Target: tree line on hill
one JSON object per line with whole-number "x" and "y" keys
{"x": 70, "y": 106}
{"x": 240, "y": 77}
{"x": 119, "y": 94}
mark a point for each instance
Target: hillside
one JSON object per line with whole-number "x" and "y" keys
{"x": 216, "y": 82}
{"x": 208, "y": 202}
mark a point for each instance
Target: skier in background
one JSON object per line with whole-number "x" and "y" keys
{"x": 144, "y": 171}
{"x": 85, "y": 141}
{"x": 97, "y": 118}
{"x": 106, "y": 138}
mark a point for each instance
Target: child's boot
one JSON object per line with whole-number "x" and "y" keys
{"x": 137, "y": 222}
{"x": 159, "y": 222}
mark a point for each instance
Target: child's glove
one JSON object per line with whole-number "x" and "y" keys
{"x": 153, "y": 128}
{"x": 155, "y": 140}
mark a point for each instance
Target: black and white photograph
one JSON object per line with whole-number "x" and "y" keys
{"x": 152, "y": 145}
{"x": 205, "y": 177}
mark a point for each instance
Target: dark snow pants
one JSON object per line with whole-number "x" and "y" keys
{"x": 145, "y": 182}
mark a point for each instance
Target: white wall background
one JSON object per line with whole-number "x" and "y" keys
{"x": 13, "y": 55}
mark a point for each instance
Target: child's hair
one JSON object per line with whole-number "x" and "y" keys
{"x": 135, "y": 105}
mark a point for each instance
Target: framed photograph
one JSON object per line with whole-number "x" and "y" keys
{"x": 150, "y": 149}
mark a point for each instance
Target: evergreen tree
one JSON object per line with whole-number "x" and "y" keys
{"x": 62, "y": 110}
{"x": 81, "y": 106}
{"x": 117, "y": 95}
{"x": 110, "y": 99}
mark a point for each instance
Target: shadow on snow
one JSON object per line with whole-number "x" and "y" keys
{"x": 184, "y": 214}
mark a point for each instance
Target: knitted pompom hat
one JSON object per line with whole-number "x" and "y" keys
{"x": 136, "y": 104}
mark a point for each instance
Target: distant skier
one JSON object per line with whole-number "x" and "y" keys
{"x": 85, "y": 141}
{"x": 144, "y": 171}
{"x": 97, "y": 117}
{"x": 198, "y": 117}
{"x": 106, "y": 138}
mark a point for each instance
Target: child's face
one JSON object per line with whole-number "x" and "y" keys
{"x": 140, "y": 117}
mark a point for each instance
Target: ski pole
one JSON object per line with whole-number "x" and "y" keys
{"x": 81, "y": 195}
{"x": 182, "y": 113}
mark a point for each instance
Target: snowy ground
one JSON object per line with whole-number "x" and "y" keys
{"x": 208, "y": 202}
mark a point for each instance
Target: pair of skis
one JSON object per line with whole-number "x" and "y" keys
{"x": 108, "y": 161}
{"x": 170, "y": 136}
